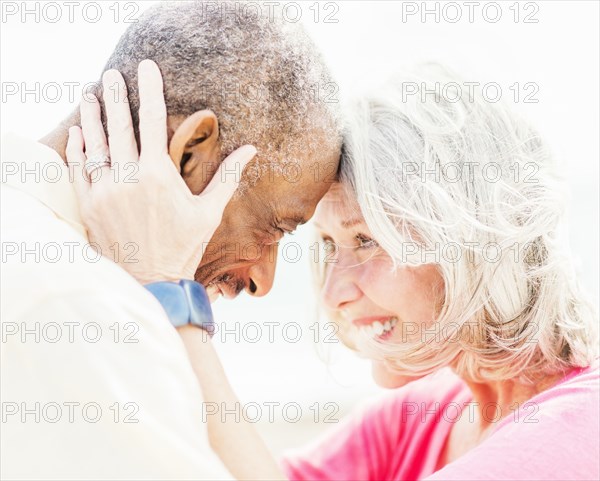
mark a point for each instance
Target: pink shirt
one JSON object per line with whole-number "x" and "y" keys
{"x": 554, "y": 435}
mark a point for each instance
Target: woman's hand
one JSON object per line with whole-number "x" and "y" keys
{"x": 138, "y": 210}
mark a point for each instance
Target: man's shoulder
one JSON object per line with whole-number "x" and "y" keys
{"x": 45, "y": 258}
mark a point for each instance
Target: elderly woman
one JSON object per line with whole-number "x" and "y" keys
{"x": 446, "y": 267}
{"x": 448, "y": 270}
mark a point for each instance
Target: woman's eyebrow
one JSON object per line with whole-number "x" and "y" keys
{"x": 345, "y": 223}
{"x": 352, "y": 222}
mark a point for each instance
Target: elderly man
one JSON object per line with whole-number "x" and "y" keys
{"x": 96, "y": 383}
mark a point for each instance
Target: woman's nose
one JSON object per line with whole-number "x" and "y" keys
{"x": 340, "y": 287}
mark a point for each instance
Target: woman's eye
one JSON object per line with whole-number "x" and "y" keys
{"x": 365, "y": 242}
{"x": 327, "y": 242}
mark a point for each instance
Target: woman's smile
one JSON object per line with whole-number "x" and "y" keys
{"x": 376, "y": 327}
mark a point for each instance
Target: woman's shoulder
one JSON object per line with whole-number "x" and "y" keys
{"x": 573, "y": 400}
{"x": 577, "y": 391}
{"x": 582, "y": 381}
{"x": 553, "y": 435}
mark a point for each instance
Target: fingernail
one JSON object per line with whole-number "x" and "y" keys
{"x": 111, "y": 76}
{"x": 146, "y": 65}
{"x": 251, "y": 152}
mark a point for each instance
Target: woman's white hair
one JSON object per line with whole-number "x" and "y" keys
{"x": 445, "y": 177}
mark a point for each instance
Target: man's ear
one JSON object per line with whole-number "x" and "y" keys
{"x": 195, "y": 147}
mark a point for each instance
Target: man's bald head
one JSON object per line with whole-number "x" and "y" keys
{"x": 267, "y": 86}
{"x": 262, "y": 77}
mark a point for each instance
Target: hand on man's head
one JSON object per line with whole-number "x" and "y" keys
{"x": 152, "y": 213}
{"x": 274, "y": 94}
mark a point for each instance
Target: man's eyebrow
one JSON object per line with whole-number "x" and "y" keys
{"x": 295, "y": 220}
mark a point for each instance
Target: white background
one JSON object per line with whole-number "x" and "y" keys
{"x": 559, "y": 53}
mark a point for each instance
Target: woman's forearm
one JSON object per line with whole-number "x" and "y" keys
{"x": 237, "y": 443}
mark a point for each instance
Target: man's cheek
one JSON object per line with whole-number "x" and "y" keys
{"x": 211, "y": 250}
{"x": 251, "y": 251}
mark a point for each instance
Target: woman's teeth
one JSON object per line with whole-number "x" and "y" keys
{"x": 378, "y": 328}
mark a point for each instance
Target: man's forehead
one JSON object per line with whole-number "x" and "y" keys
{"x": 310, "y": 172}
{"x": 310, "y": 148}
{"x": 290, "y": 195}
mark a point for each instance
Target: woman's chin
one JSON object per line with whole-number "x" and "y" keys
{"x": 386, "y": 378}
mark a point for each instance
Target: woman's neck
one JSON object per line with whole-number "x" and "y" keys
{"x": 494, "y": 400}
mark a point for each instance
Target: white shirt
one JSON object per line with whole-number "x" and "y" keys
{"x": 95, "y": 381}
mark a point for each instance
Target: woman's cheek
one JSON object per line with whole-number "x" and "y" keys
{"x": 343, "y": 331}
{"x": 380, "y": 283}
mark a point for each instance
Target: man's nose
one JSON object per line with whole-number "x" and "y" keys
{"x": 339, "y": 287}
{"x": 262, "y": 274}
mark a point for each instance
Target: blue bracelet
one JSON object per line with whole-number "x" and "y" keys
{"x": 185, "y": 303}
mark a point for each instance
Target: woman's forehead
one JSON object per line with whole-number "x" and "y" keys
{"x": 338, "y": 202}
{"x": 339, "y": 193}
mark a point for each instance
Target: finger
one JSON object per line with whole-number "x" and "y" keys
{"x": 122, "y": 145}
{"x": 94, "y": 137}
{"x": 76, "y": 161}
{"x": 227, "y": 178}
{"x": 153, "y": 112}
